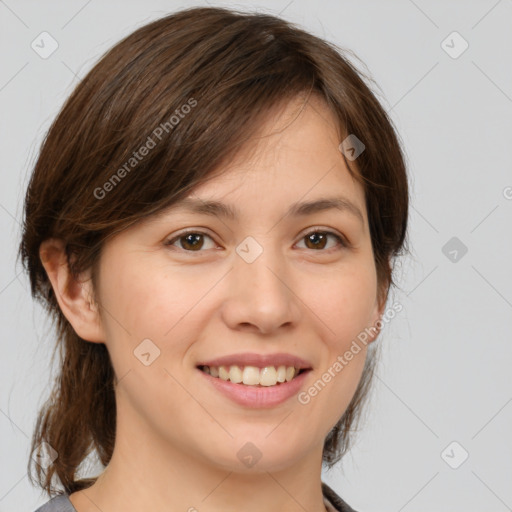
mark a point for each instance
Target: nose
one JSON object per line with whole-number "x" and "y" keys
{"x": 260, "y": 295}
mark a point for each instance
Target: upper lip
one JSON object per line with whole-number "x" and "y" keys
{"x": 258, "y": 360}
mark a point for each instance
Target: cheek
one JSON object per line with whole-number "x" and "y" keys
{"x": 345, "y": 302}
{"x": 148, "y": 301}
{"x": 343, "y": 305}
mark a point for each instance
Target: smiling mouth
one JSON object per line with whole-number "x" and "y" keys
{"x": 252, "y": 375}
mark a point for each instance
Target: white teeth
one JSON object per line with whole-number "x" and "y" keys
{"x": 252, "y": 375}
{"x": 268, "y": 376}
{"x": 235, "y": 374}
{"x": 223, "y": 373}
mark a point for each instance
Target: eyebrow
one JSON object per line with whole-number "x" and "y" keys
{"x": 299, "y": 209}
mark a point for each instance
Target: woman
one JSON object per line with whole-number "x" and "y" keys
{"x": 212, "y": 223}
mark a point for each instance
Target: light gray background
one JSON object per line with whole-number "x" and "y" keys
{"x": 445, "y": 372}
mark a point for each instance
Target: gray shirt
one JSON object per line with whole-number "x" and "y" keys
{"x": 61, "y": 503}
{"x": 58, "y": 503}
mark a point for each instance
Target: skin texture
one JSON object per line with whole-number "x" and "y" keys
{"x": 177, "y": 437}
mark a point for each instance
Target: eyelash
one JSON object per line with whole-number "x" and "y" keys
{"x": 342, "y": 242}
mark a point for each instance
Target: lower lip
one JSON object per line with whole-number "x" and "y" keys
{"x": 255, "y": 396}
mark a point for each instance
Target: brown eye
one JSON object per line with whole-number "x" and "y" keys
{"x": 317, "y": 240}
{"x": 191, "y": 241}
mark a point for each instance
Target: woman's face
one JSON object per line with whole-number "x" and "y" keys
{"x": 263, "y": 282}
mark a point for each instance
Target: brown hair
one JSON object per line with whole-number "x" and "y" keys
{"x": 203, "y": 79}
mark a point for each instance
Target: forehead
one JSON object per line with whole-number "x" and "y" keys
{"x": 304, "y": 124}
{"x": 294, "y": 154}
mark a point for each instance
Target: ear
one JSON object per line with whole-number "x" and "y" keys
{"x": 378, "y": 310}
{"x": 75, "y": 296}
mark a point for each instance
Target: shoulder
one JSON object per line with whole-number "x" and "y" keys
{"x": 334, "y": 499}
{"x": 60, "y": 503}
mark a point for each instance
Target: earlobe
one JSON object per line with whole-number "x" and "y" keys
{"x": 375, "y": 328}
{"x": 377, "y": 313}
{"x": 75, "y": 296}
